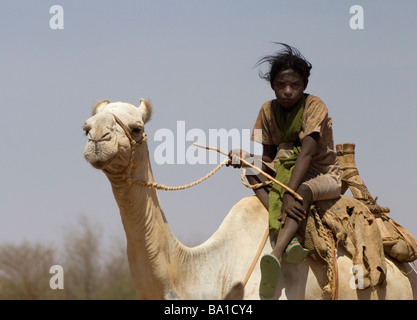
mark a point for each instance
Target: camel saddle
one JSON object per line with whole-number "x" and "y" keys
{"x": 357, "y": 223}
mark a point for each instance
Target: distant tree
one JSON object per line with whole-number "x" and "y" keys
{"x": 82, "y": 259}
{"x": 89, "y": 271}
{"x": 116, "y": 281}
{"x": 24, "y": 271}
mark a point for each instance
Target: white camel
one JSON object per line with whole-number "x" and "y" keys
{"x": 159, "y": 263}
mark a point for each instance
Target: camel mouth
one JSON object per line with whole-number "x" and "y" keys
{"x": 99, "y": 157}
{"x": 97, "y": 162}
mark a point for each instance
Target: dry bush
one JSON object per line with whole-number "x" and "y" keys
{"x": 24, "y": 271}
{"x": 89, "y": 271}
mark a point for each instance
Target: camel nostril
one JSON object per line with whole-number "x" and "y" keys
{"x": 105, "y": 136}
{"x": 97, "y": 137}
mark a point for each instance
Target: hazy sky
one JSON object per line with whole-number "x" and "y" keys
{"x": 196, "y": 61}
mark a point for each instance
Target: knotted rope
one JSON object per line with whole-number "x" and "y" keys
{"x": 128, "y": 172}
{"x": 331, "y": 257}
{"x": 158, "y": 186}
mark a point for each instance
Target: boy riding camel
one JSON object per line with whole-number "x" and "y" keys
{"x": 298, "y": 150}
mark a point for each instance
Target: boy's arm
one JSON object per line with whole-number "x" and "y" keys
{"x": 269, "y": 152}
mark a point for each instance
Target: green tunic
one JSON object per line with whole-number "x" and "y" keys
{"x": 284, "y": 167}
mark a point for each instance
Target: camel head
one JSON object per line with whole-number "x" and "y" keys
{"x": 114, "y": 129}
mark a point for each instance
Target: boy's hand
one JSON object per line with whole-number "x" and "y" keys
{"x": 234, "y": 160}
{"x": 292, "y": 208}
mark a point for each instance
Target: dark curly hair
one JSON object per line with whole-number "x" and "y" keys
{"x": 289, "y": 58}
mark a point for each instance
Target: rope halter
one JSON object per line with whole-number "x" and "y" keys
{"x": 127, "y": 174}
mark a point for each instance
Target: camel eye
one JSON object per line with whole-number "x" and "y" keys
{"x": 136, "y": 130}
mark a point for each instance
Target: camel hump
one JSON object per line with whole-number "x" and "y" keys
{"x": 251, "y": 209}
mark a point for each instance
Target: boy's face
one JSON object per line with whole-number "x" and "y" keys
{"x": 289, "y": 88}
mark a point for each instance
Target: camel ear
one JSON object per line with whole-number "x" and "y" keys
{"x": 99, "y": 106}
{"x": 145, "y": 109}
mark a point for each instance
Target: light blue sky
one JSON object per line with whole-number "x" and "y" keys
{"x": 195, "y": 60}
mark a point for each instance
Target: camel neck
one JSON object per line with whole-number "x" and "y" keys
{"x": 147, "y": 232}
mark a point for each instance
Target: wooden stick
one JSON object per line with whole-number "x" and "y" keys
{"x": 295, "y": 194}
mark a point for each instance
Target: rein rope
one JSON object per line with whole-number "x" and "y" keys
{"x": 154, "y": 185}
{"x": 127, "y": 175}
